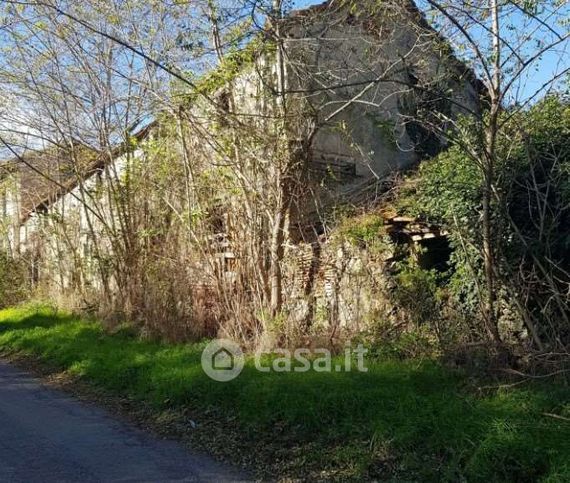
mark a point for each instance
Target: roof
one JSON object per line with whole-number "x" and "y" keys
{"x": 43, "y": 175}
{"x": 64, "y": 170}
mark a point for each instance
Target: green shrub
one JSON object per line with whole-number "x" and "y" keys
{"x": 530, "y": 216}
{"x": 417, "y": 292}
{"x": 362, "y": 230}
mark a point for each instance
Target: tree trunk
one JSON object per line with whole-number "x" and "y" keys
{"x": 488, "y": 175}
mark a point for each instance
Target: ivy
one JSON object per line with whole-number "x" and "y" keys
{"x": 236, "y": 61}
{"x": 530, "y": 215}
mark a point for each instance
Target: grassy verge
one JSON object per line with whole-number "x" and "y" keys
{"x": 399, "y": 421}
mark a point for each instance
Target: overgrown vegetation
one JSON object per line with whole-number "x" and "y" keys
{"x": 531, "y": 222}
{"x": 221, "y": 144}
{"x": 399, "y": 421}
{"x": 14, "y": 284}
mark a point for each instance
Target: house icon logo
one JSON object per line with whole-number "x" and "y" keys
{"x": 222, "y": 360}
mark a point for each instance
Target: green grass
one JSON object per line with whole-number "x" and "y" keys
{"x": 405, "y": 421}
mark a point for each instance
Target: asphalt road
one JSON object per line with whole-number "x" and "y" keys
{"x": 47, "y": 436}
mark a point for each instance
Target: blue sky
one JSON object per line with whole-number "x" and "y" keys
{"x": 304, "y": 3}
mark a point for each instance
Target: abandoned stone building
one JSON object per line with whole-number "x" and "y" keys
{"x": 381, "y": 88}
{"x": 379, "y": 84}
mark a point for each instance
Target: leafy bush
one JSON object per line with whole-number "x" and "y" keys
{"x": 362, "y": 231}
{"x": 530, "y": 217}
{"x": 417, "y": 292}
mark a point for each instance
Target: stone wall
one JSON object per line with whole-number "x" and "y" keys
{"x": 367, "y": 68}
{"x": 337, "y": 286}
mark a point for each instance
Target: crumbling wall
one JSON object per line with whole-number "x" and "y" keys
{"x": 351, "y": 279}
{"x": 336, "y": 286}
